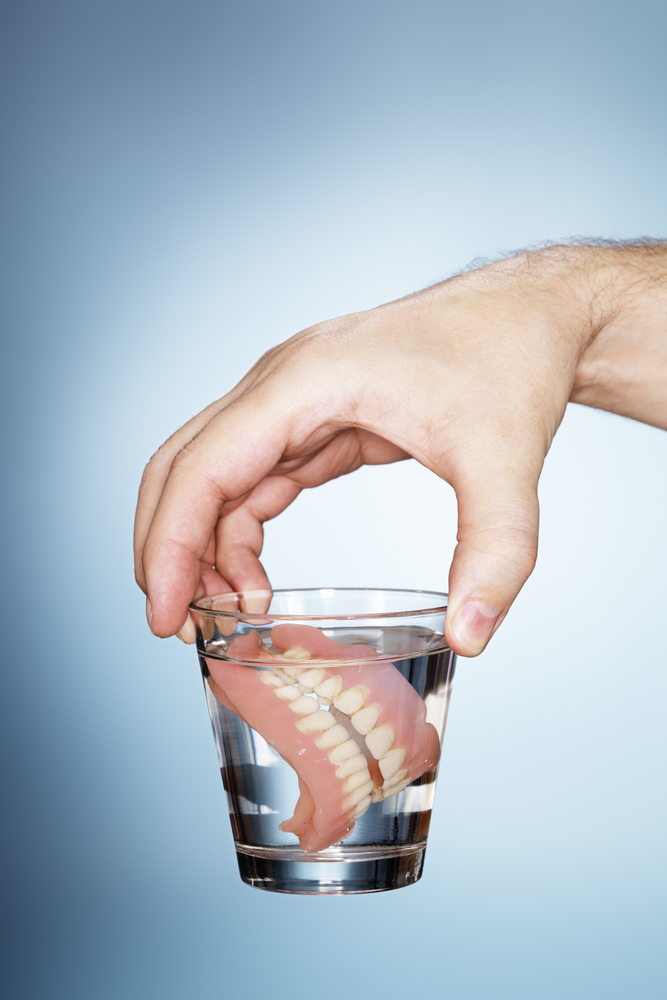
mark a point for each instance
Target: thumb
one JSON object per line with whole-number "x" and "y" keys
{"x": 495, "y": 554}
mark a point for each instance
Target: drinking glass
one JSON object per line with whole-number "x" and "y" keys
{"x": 328, "y": 709}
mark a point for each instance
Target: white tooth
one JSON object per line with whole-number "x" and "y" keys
{"x": 288, "y": 693}
{"x": 396, "y": 789}
{"x": 293, "y": 671}
{"x": 317, "y": 722}
{"x": 395, "y": 780}
{"x": 351, "y": 766}
{"x": 364, "y": 720}
{"x": 332, "y": 737}
{"x": 296, "y": 653}
{"x": 278, "y": 671}
{"x": 324, "y": 701}
{"x": 312, "y": 677}
{"x": 361, "y": 808}
{"x": 379, "y": 740}
{"x": 270, "y": 679}
{"x": 344, "y": 750}
{"x": 355, "y": 797}
{"x": 304, "y": 705}
{"x": 377, "y": 794}
{"x": 350, "y": 700}
{"x": 329, "y": 688}
{"x": 391, "y": 762}
{"x": 356, "y": 780}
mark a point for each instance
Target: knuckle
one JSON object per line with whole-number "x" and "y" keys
{"x": 155, "y": 465}
{"x": 310, "y": 343}
{"x": 509, "y": 551}
{"x": 520, "y": 551}
{"x": 189, "y": 454}
{"x": 183, "y": 457}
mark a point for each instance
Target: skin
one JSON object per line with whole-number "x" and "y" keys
{"x": 470, "y": 377}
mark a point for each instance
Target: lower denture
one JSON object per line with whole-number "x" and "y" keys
{"x": 368, "y": 742}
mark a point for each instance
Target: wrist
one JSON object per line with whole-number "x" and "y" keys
{"x": 622, "y": 366}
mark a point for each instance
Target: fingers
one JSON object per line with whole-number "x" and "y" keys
{"x": 156, "y": 472}
{"x": 235, "y": 451}
{"x": 495, "y": 555}
{"x": 158, "y": 469}
{"x": 154, "y": 477}
{"x": 240, "y": 534}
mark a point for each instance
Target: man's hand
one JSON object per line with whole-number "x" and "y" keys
{"x": 470, "y": 377}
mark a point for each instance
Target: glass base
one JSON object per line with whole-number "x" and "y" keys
{"x": 337, "y": 871}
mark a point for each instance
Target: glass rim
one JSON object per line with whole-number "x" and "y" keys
{"x": 258, "y": 616}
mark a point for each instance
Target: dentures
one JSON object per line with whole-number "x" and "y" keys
{"x": 354, "y": 732}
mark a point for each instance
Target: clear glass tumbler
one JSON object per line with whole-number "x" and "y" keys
{"x": 328, "y": 710}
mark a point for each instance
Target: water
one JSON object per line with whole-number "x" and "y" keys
{"x": 386, "y": 847}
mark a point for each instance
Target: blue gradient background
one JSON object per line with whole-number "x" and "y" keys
{"x": 189, "y": 183}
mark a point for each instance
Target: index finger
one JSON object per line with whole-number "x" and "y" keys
{"x": 234, "y": 452}
{"x": 155, "y": 476}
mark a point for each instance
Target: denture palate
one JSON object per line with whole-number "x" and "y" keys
{"x": 360, "y": 734}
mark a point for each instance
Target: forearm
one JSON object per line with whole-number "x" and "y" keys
{"x": 623, "y": 364}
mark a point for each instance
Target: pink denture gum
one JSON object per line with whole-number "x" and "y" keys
{"x": 354, "y": 732}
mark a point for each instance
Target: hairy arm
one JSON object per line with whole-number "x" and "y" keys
{"x": 623, "y": 367}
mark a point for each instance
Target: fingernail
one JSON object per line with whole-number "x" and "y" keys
{"x": 473, "y": 626}
{"x": 188, "y": 633}
{"x": 256, "y": 601}
{"x": 149, "y": 614}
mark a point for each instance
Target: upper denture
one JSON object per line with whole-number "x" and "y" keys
{"x": 372, "y": 742}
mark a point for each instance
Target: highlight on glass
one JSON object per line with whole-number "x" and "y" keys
{"x": 328, "y": 709}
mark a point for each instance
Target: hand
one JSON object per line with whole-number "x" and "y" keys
{"x": 470, "y": 377}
